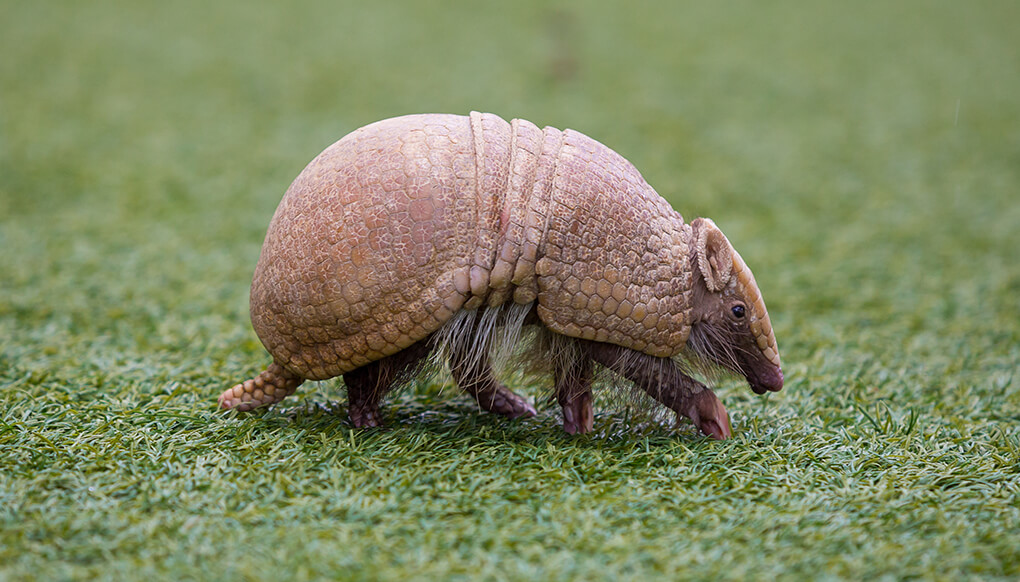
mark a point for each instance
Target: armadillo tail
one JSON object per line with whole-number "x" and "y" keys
{"x": 271, "y": 386}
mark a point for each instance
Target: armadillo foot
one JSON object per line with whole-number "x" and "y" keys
{"x": 365, "y": 388}
{"x": 573, "y": 379}
{"x": 501, "y": 400}
{"x": 661, "y": 379}
{"x": 578, "y": 417}
{"x": 708, "y": 414}
{"x": 479, "y": 381}
{"x": 368, "y": 384}
{"x": 363, "y": 414}
{"x": 271, "y": 386}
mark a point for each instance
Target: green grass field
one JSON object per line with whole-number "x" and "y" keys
{"x": 863, "y": 157}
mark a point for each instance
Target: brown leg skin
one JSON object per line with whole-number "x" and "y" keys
{"x": 573, "y": 392}
{"x": 365, "y": 387}
{"x": 663, "y": 381}
{"x": 368, "y": 384}
{"x": 478, "y": 380}
{"x": 271, "y": 386}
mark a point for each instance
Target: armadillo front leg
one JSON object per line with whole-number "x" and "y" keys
{"x": 271, "y": 386}
{"x": 573, "y": 377}
{"x": 477, "y": 379}
{"x": 368, "y": 384}
{"x": 661, "y": 379}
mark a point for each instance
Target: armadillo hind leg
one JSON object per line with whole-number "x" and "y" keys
{"x": 363, "y": 395}
{"x": 475, "y": 376}
{"x": 368, "y": 384}
{"x": 573, "y": 377}
{"x": 661, "y": 379}
{"x": 271, "y": 386}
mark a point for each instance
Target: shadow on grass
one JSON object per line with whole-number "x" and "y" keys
{"x": 459, "y": 418}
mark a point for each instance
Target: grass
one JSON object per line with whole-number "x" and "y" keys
{"x": 864, "y": 159}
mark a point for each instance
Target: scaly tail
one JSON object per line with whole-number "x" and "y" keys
{"x": 271, "y": 386}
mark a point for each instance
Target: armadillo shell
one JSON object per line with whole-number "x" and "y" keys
{"x": 402, "y": 223}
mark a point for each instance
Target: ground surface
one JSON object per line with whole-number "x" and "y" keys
{"x": 865, "y": 160}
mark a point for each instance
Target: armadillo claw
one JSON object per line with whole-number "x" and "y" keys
{"x": 578, "y": 417}
{"x": 709, "y": 415}
{"x": 367, "y": 417}
{"x": 501, "y": 400}
{"x": 520, "y": 408}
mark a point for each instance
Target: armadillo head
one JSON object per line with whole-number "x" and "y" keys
{"x": 729, "y": 324}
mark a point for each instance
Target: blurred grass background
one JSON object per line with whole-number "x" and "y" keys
{"x": 864, "y": 158}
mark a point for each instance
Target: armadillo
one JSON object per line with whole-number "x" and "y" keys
{"x": 452, "y": 233}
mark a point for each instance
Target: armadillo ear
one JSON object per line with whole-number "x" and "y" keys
{"x": 715, "y": 255}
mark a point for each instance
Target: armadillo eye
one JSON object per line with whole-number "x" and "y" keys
{"x": 738, "y": 311}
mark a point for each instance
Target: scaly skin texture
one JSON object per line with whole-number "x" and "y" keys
{"x": 400, "y": 225}
{"x": 273, "y": 385}
{"x": 394, "y": 228}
